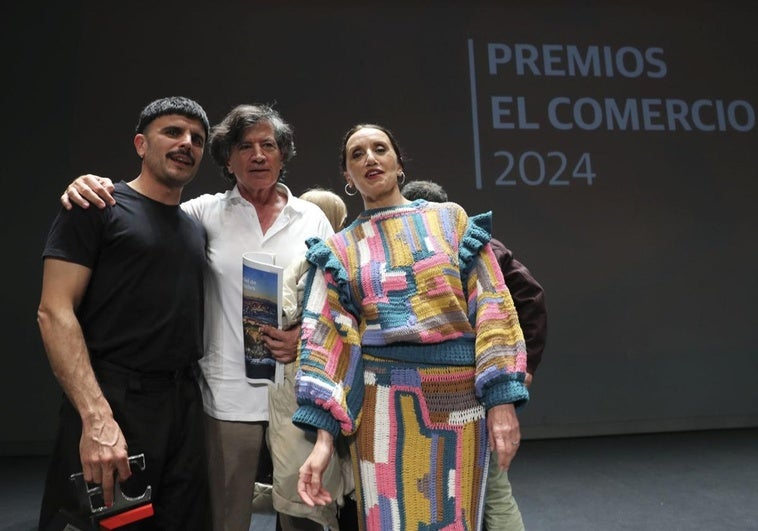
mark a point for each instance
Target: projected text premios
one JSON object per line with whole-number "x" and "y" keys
{"x": 593, "y": 113}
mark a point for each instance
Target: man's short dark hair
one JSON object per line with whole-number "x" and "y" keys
{"x": 428, "y": 190}
{"x": 172, "y": 105}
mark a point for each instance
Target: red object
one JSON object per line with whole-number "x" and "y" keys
{"x": 127, "y": 517}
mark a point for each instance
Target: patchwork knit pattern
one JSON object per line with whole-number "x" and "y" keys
{"x": 418, "y": 287}
{"x": 422, "y": 464}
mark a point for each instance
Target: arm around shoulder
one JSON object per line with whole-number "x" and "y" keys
{"x": 87, "y": 189}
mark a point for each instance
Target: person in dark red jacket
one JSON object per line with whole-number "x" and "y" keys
{"x": 501, "y": 512}
{"x": 529, "y": 298}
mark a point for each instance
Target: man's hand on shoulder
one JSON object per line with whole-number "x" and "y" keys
{"x": 88, "y": 189}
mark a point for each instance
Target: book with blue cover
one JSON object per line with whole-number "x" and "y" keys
{"x": 261, "y": 305}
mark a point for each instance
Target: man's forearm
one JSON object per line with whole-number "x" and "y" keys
{"x": 70, "y": 363}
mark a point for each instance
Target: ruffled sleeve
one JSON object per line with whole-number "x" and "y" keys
{"x": 329, "y": 383}
{"x": 478, "y": 234}
{"x": 500, "y": 347}
{"x": 322, "y": 256}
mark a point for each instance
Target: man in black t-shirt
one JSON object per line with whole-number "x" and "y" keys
{"x": 121, "y": 320}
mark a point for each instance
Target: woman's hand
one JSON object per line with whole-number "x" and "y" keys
{"x": 309, "y": 485}
{"x": 504, "y": 433}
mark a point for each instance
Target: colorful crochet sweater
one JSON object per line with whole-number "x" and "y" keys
{"x": 416, "y": 283}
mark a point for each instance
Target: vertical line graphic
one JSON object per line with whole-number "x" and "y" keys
{"x": 474, "y": 115}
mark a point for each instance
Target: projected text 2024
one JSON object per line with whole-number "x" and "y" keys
{"x": 553, "y": 168}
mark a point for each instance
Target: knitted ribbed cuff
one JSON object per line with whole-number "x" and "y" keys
{"x": 506, "y": 392}
{"x": 312, "y": 418}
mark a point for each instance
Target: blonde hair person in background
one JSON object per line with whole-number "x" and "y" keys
{"x": 294, "y": 275}
{"x": 285, "y": 440}
{"x": 332, "y": 205}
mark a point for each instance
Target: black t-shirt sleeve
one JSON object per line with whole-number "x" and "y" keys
{"x": 75, "y": 235}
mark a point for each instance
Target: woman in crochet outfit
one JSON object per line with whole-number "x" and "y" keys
{"x": 411, "y": 348}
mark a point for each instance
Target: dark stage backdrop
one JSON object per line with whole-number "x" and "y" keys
{"x": 615, "y": 145}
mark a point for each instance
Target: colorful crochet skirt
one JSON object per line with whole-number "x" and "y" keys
{"x": 420, "y": 454}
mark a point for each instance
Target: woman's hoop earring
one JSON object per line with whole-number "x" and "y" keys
{"x": 401, "y": 178}
{"x": 347, "y": 190}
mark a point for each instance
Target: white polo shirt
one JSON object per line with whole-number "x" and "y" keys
{"x": 233, "y": 229}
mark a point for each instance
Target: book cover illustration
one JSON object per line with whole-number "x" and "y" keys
{"x": 261, "y": 305}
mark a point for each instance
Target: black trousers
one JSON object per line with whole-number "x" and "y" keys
{"x": 160, "y": 417}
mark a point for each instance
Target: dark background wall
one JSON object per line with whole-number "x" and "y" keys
{"x": 643, "y": 237}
